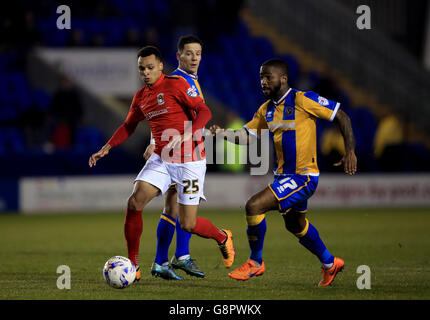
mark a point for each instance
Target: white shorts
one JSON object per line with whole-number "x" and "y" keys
{"x": 189, "y": 176}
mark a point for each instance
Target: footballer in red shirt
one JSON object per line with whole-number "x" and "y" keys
{"x": 176, "y": 115}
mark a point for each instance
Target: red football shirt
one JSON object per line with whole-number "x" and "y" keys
{"x": 170, "y": 105}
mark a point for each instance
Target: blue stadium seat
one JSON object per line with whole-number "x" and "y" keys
{"x": 293, "y": 68}
{"x": 364, "y": 125}
{"x": 242, "y": 31}
{"x": 18, "y": 90}
{"x": 263, "y": 48}
{"x": 8, "y": 113}
{"x": 113, "y": 31}
{"x": 88, "y": 139}
{"x": 41, "y": 99}
{"x": 11, "y": 141}
{"x": 7, "y": 61}
{"x": 314, "y": 77}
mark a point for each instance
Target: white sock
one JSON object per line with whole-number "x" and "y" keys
{"x": 184, "y": 257}
{"x": 327, "y": 265}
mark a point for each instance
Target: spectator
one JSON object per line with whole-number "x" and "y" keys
{"x": 332, "y": 147}
{"x": 132, "y": 38}
{"x": 76, "y": 39}
{"x": 151, "y": 37}
{"x": 98, "y": 40}
{"x": 67, "y": 111}
{"x": 389, "y": 132}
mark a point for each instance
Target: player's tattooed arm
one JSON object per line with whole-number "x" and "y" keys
{"x": 349, "y": 160}
{"x": 240, "y": 136}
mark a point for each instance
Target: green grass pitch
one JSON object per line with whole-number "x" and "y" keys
{"x": 394, "y": 243}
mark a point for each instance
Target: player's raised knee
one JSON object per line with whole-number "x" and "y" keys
{"x": 252, "y": 207}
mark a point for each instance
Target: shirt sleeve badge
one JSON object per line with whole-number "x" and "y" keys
{"x": 191, "y": 92}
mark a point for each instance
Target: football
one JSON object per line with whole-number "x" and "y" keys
{"x": 119, "y": 272}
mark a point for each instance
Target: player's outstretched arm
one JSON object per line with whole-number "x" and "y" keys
{"x": 240, "y": 136}
{"x": 99, "y": 154}
{"x": 349, "y": 159}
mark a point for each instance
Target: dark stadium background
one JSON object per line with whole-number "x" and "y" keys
{"x": 50, "y": 124}
{"x": 32, "y": 124}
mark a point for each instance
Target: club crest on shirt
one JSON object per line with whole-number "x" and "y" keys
{"x": 160, "y": 99}
{"x": 191, "y": 92}
{"x": 323, "y": 101}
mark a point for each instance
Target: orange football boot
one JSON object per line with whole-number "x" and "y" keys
{"x": 138, "y": 274}
{"x": 330, "y": 274}
{"x": 247, "y": 270}
{"x": 227, "y": 249}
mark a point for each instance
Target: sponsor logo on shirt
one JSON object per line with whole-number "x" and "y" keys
{"x": 153, "y": 114}
{"x": 191, "y": 92}
{"x": 281, "y": 125}
{"x": 323, "y": 101}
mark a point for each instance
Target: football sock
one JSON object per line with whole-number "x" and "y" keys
{"x": 311, "y": 240}
{"x": 165, "y": 230}
{"x": 182, "y": 241}
{"x": 133, "y": 227}
{"x": 205, "y": 229}
{"x": 256, "y": 232}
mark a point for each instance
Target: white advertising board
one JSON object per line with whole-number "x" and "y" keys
{"x": 65, "y": 194}
{"x": 109, "y": 72}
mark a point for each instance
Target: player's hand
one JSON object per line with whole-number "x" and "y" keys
{"x": 149, "y": 151}
{"x": 177, "y": 141}
{"x": 214, "y": 128}
{"x": 99, "y": 154}
{"x": 349, "y": 161}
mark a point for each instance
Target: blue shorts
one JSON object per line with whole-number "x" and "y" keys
{"x": 294, "y": 191}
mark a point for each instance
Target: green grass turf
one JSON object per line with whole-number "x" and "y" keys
{"x": 394, "y": 243}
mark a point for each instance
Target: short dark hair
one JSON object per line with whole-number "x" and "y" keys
{"x": 148, "y": 50}
{"x": 278, "y": 64}
{"x": 190, "y": 38}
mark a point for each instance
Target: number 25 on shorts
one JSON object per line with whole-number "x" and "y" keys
{"x": 191, "y": 186}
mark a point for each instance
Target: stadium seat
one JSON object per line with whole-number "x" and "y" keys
{"x": 263, "y": 47}
{"x": 8, "y": 114}
{"x": 11, "y": 141}
{"x": 41, "y": 99}
{"x": 88, "y": 139}
{"x": 293, "y": 68}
